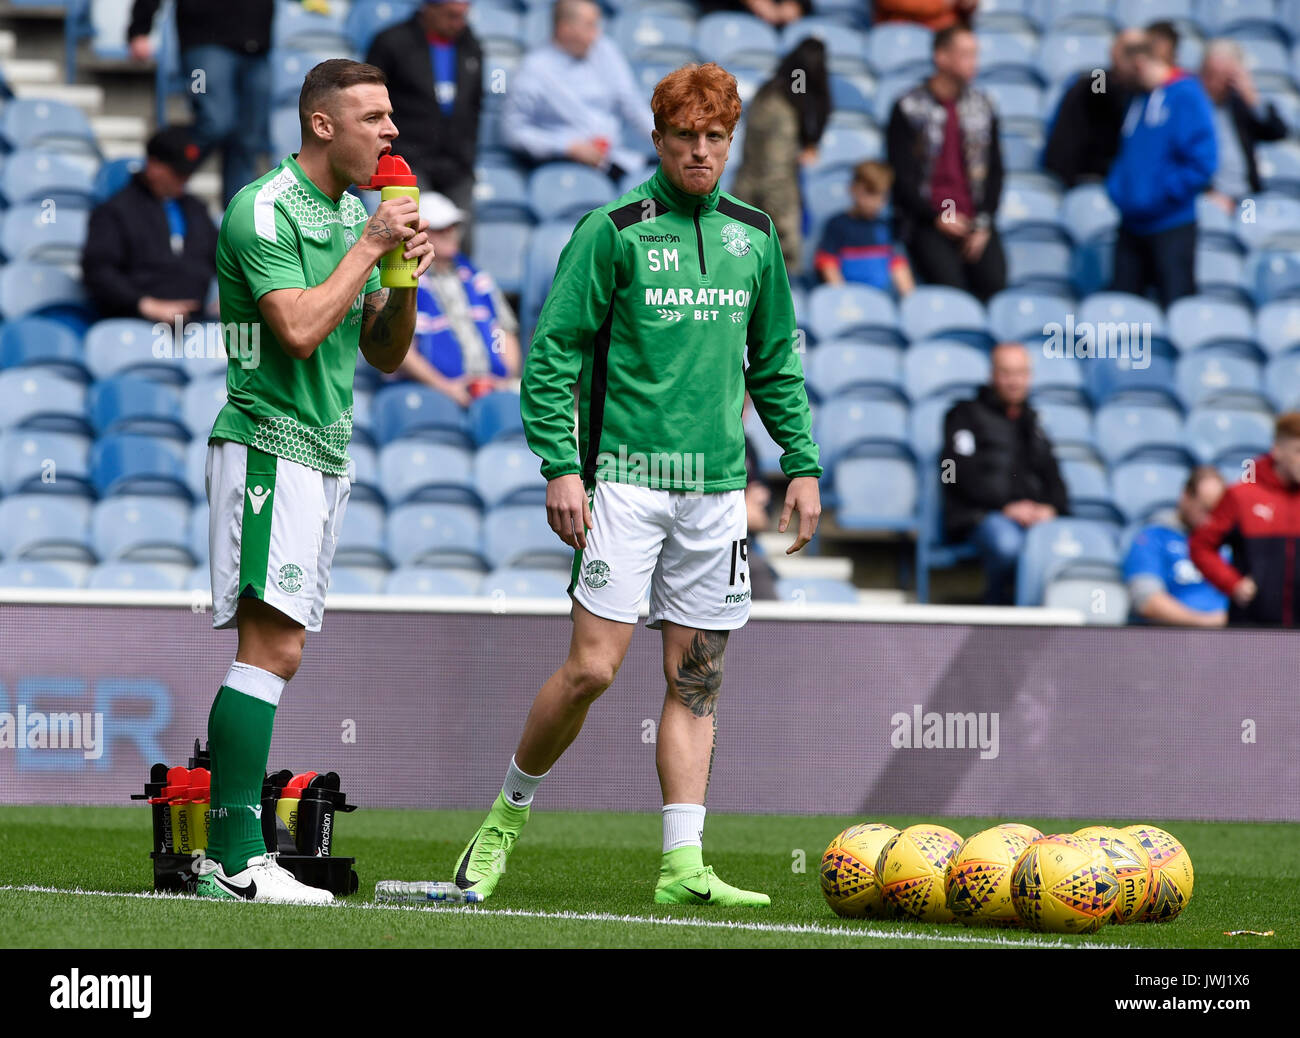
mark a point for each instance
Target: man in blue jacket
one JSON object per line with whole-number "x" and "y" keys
{"x": 1168, "y": 156}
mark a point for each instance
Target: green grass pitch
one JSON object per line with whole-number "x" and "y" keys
{"x": 576, "y": 880}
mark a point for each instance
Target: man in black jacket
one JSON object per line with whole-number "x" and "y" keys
{"x": 434, "y": 67}
{"x": 224, "y": 48}
{"x": 943, "y": 144}
{"x": 1086, "y": 128}
{"x": 151, "y": 249}
{"x": 1241, "y": 120}
{"x": 998, "y": 472}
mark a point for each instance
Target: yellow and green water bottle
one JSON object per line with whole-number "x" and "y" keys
{"x": 394, "y": 179}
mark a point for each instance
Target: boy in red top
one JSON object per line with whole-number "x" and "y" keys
{"x": 1260, "y": 519}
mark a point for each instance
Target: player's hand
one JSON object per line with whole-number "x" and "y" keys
{"x": 393, "y": 223}
{"x": 1245, "y": 591}
{"x": 139, "y": 49}
{"x": 567, "y": 511}
{"x": 420, "y": 246}
{"x": 802, "y": 496}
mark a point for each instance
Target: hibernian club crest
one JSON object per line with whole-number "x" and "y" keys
{"x": 735, "y": 240}
{"x": 290, "y": 578}
{"x": 595, "y": 574}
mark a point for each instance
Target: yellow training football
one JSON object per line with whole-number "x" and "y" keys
{"x": 1026, "y": 832}
{"x": 978, "y": 883}
{"x": 848, "y": 870}
{"x": 1062, "y": 884}
{"x": 911, "y": 871}
{"x": 1171, "y": 873}
{"x": 1131, "y": 865}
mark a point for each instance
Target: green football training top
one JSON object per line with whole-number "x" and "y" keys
{"x": 282, "y": 231}
{"x": 659, "y": 299}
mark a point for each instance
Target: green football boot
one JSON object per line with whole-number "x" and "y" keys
{"x": 683, "y": 880}
{"x": 483, "y": 860}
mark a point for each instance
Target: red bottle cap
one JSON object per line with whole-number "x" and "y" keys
{"x": 291, "y": 793}
{"x": 301, "y": 781}
{"x": 391, "y": 172}
{"x": 200, "y": 786}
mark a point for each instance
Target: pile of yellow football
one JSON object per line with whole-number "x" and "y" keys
{"x": 1010, "y": 875}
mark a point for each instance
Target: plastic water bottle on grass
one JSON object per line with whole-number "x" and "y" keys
{"x": 423, "y": 892}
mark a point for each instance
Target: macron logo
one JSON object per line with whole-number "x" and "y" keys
{"x": 258, "y": 496}
{"x": 102, "y": 992}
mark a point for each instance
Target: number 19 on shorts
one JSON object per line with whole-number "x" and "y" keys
{"x": 739, "y": 560}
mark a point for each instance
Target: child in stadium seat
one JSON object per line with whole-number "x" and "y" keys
{"x": 857, "y": 245}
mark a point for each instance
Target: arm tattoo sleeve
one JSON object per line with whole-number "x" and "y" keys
{"x": 699, "y": 674}
{"x": 376, "y": 312}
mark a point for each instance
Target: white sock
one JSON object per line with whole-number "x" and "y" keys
{"x": 518, "y": 788}
{"x": 683, "y": 826}
{"x": 255, "y": 682}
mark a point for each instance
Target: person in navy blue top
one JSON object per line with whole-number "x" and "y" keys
{"x": 1164, "y": 585}
{"x": 858, "y": 245}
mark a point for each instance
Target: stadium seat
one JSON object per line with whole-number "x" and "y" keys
{"x": 1059, "y": 379}
{"x": 412, "y": 470}
{"x": 141, "y": 529}
{"x": 1016, "y": 315}
{"x": 1110, "y": 380}
{"x": 37, "y": 461}
{"x": 38, "y": 399}
{"x": 1096, "y": 591}
{"x": 38, "y": 342}
{"x": 28, "y": 235}
{"x": 1143, "y": 487}
{"x": 295, "y": 28}
{"x": 32, "y": 288}
{"x": 566, "y": 190}
{"x": 1056, "y": 541}
{"x": 1121, "y": 307}
{"x": 1197, "y": 322}
{"x": 1277, "y": 325}
{"x": 1241, "y": 19}
{"x": 196, "y": 465}
{"x": 501, "y": 195}
{"x": 877, "y": 488}
{"x": 845, "y": 423}
{"x": 361, "y": 540}
{"x": 848, "y": 97}
{"x": 544, "y": 248}
{"x": 410, "y": 410}
{"x": 842, "y": 366}
{"x": 510, "y": 582}
{"x": 1085, "y": 481}
{"x": 894, "y": 46}
{"x": 1211, "y": 432}
{"x": 43, "y": 575}
{"x": 495, "y": 416}
{"x": 115, "y": 174}
{"x": 1007, "y": 55}
{"x": 202, "y": 402}
{"x": 1274, "y": 275}
{"x": 519, "y": 535}
{"x": 128, "y": 344}
{"x": 286, "y": 130}
{"x": 1064, "y": 55}
{"x": 131, "y": 463}
{"x": 937, "y": 312}
{"x": 1030, "y": 214}
{"x": 353, "y": 579}
{"x": 1039, "y": 266}
{"x": 846, "y": 47}
{"x": 843, "y": 148}
{"x": 724, "y": 37}
{"x": 45, "y": 526}
{"x": 366, "y": 19}
{"x": 1088, "y": 213}
{"x": 940, "y": 366}
{"x": 436, "y": 535}
{"x": 1127, "y": 430}
{"x": 1282, "y": 381}
{"x": 289, "y": 68}
{"x": 855, "y": 311}
{"x": 889, "y": 88}
{"x": 137, "y": 576}
{"x": 507, "y": 472}
{"x": 128, "y": 403}
{"x": 500, "y": 249}
{"x": 1222, "y": 275}
{"x": 816, "y": 591}
{"x": 1022, "y": 148}
{"x": 47, "y": 124}
{"x": 648, "y": 35}
{"x": 1276, "y": 223}
{"x": 1065, "y": 423}
{"x": 925, "y": 423}
{"x": 769, "y": 453}
{"x": 826, "y": 193}
{"x": 427, "y": 580}
{"x": 197, "y": 535}
{"x": 1016, "y": 103}
{"x": 1204, "y": 376}
{"x": 1279, "y": 166}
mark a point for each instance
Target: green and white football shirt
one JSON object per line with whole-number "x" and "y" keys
{"x": 282, "y": 231}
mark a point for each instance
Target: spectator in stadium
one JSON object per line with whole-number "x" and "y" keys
{"x": 1084, "y": 138}
{"x": 466, "y": 339}
{"x": 762, "y": 578}
{"x": 783, "y": 125}
{"x": 998, "y": 472}
{"x": 151, "y": 249}
{"x": 775, "y": 12}
{"x": 858, "y": 245}
{"x": 1241, "y": 120}
{"x": 224, "y": 56}
{"x": 434, "y": 66}
{"x": 1164, "y": 586}
{"x": 1167, "y": 157}
{"x": 1163, "y": 37}
{"x": 947, "y": 160}
{"x": 933, "y": 14}
{"x": 1260, "y": 519}
{"x": 576, "y": 98}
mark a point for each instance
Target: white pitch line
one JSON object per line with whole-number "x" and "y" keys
{"x": 610, "y": 917}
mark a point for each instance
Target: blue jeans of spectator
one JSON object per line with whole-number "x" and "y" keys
{"x": 999, "y": 541}
{"x": 232, "y": 112}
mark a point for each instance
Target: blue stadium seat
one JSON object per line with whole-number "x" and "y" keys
{"x": 412, "y": 470}
{"x": 1276, "y": 223}
{"x": 196, "y": 465}
{"x": 648, "y": 35}
{"x": 48, "y": 124}
{"x": 1084, "y": 481}
{"x": 1015, "y": 103}
{"x": 495, "y": 416}
{"x": 1273, "y": 275}
{"x": 501, "y": 195}
{"x": 544, "y": 249}
{"x": 826, "y": 193}
{"x": 136, "y": 464}
{"x": 507, "y": 472}
{"x": 1088, "y": 213}
{"x": 889, "y": 88}
{"x": 1063, "y": 55}
{"x": 40, "y": 342}
{"x": 856, "y": 311}
{"x": 361, "y": 541}
{"x": 115, "y": 174}
{"x": 1110, "y": 380}
{"x": 1127, "y": 430}
{"x": 27, "y": 234}
{"x": 1207, "y": 375}
{"x": 939, "y": 366}
{"x": 816, "y": 591}
{"x": 141, "y": 529}
{"x": 351, "y": 579}
{"x": 1198, "y": 322}
{"x": 286, "y": 130}
{"x": 723, "y": 37}
{"x": 846, "y": 47}
{"x": 894, "y": 46}
{"x": 1030, "y": 214}
{"x": 1016, "y": 315}
{"x": 127, "y": 344}
{"x": 1097, "y": 590}
{"x": 1277, "y": 324}
{"x": 1039, "y": 266}
{"x": 935, "y": 312}
{"x": 1058, "y": 379}
{"x": 843, "y": 148}
{"x": 436, "y": 535}
{"x": 845, "y": 423}
{"x": 519, "y": 535}
{"x": 1120, "y": 307}
{"x": 410, "y": 410}
{"x": 366, "y": 19}
{"x": 1065, "y": 423}
{"x": 202, "y": 401}
{"x": 33, "y": 288}
{"x": 1144, "y": 12}
{"x": 841, "y": 366}
{"x": 295, "y": 28}
{"x": 1241, "y": 19}
{"x": 45, "y": 526}
{"x": 197, "y": 537}
{"x": 428, "y": 580}
{"x": 567, "y": 190}
{"x": 848, "y": 96}
{"x": 1212, "y": 432}
{"x": 1222, "y": 275}
{"x": 128, "y": 403}
{"x": 1144, "y": 487}
{"x": 1279, "y": 166}
{"x": 1092, "y": 14}
{"x": 509, "y": 582}
{"x": 137, "y": 576}
{"x": 1057, "y": 541}
{"x": 1022, "y": 148}
{"x": 35, "y": 398}
{"x": 769, "y": 453}
{"x": 288, "y": 69}
{"x": 925, "y": 423}
{"x": 1007, "y": 55}
{"x": 43, "y": 575}
{"x": 36, "y": 461}
{"x": 877, "y": 488}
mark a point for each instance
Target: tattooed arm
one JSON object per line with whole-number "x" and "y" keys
{"x": 388, "y": 315}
